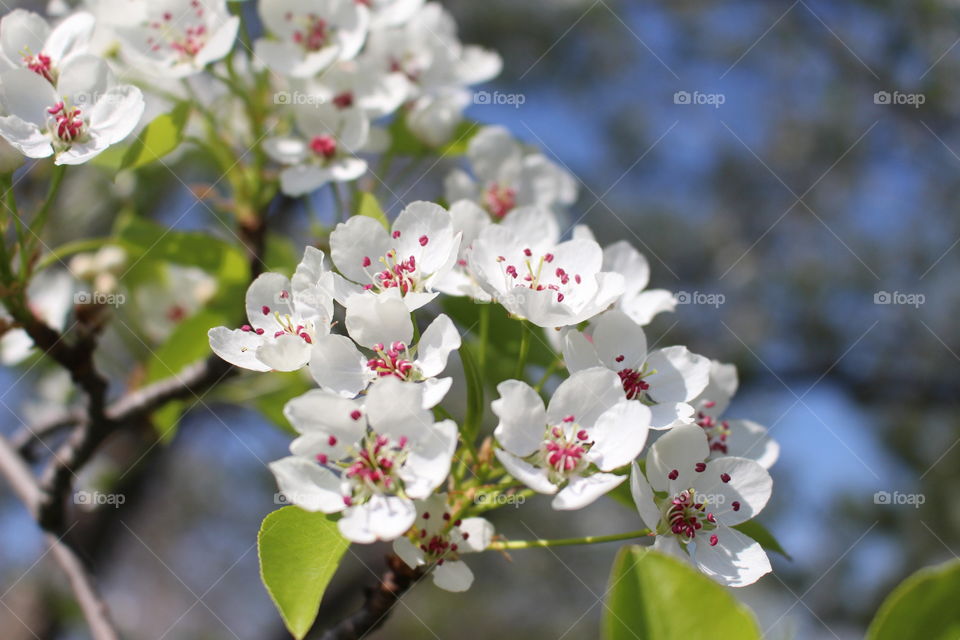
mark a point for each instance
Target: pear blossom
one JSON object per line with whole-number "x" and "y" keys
{"x": 50, "y": 297}
{"x": 742, "y": 438}
{"x": 28, "y": 42}
{"x": 667, "y": 379}
{"x": 691, "y": 505}
{"x": 325, "y": 151}
{"x": 412, "y": 257}
{"x": 177, "y": 294}
{"x": 357, "y": 83}
{"x": 285, "y": 319}
{"x": 177, "y": 38}
{"x": 391, "y": 13}
{"x": 468, "y": 220}
{"x": 369, "y": 459}
{"x": 524, "y": 266}
{"x": 307, "y": 36}
{"x": 570, "y": 447}
{"x": 507, "y": 176}
{"x": 102, "y": 268}
{"x": 75, "y": 120}
{"x": 438, "y": 538}
{"x": 382, "y": 324}
{"x": 638, "y": 302}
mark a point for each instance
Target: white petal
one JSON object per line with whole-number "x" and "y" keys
{"x": 302, "y": 179}
{"x": 286, "y": 353}
{"x": 620, "y": 342}
{"x": 117, "y": 113}
{"x": 453, "y": 575}
{"x": 22, "y": 30}
{"x": 679, "y": 449}
{"x": 286, "y": 150}
{"x": 578, "y": 351}
{"x": 715, "y": 398}
{"x": 308, "y": 485}
{"x": 237, "y": 347}
{"x": 378, "y": 319}
{"x": 533, "y": 477}
{"x": 265, "y": 298}
{"x": 327, "y": 412}
{"x": 27, "y": 96}
{"x": 25, "y": 137}
{"x": 623, "y": 258}
{"x": 642, "y": 494}
{"x": 434, "y": 391}
{"x": 619, "y": 435}
{"x": 219, "y": 44}
{"x": 337, "y": 364}
{"x": 428, "y": 464}
{"x": 585, "y": 395}
{"x": 749, "y": 485}
{"x": 581, "y": 491}
{"x": 523, "y": 419}
{"x": 351, "y": 242}
{"x": 70, "y": 36}
{"x": 490, "y": 149}
{"x": 643, "y": 306}
{"x": 748, "y": 439}
{"x": 479, "y": 535}
{"x": 735, "y": 561}
{"x": 435, "y": 345}
{"x": 395, "y": 409}
{"x": 381, "y": 518}
{"x": 680, "y": 376}
{"x": 667, "y": 415}
{"x": 410, "y": 554}
{"x": 425, "y": 221}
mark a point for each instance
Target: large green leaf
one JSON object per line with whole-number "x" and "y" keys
{"x": 160, "y": 137}
{"x": 653, "y": 596}
{"x": 299, "y": 552}
{"x": 922, "y": 606}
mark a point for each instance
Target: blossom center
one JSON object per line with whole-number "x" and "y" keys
{"x": 686, "y": 516}
{"x": 718, "y": 432}
{"x": 313, "y": 32}
{"x": 564, "y": 449}
{"x": 324, "y": 146}
{"x": 435, "y": 542}
{"x": 66, "y": 122}
{"x": 40, "y": 64}
{"x": 394, "y": 361}
{"x": 184, "y": 40}
{"x": 499, "y": 200}
{"x": 375, "y": 468}
{"x": 537, "y": 275}
{"x": 397, "y": 273}
{"x": 286, "y": 324}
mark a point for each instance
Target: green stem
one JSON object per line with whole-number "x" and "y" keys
{"x": 484, "y": 335}
{"x": 507, "y": 545}
{"x": 524, "y": 350}
{"x": 55, "y": 181}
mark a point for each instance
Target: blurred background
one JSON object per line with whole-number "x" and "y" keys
{"x": 790, "y": 169}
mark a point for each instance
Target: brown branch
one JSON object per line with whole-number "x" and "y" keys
{"x": 15, "y": 470}
{"x": 378, "y": 603}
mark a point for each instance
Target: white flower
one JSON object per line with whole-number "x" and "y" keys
{"x": 506, "y": 176}
{"x": 412, "y": 257}
{"x": 391, "y": 13}
{"x": 102, "y": 268}
{"x": 286, "y": 319}
{"x": 438, "y": 539}
{"x": 742, "y": 438}
{"x": 382, "y": 324}
{"x": 50, "y": 298}
{"x": 178, "y": 292}
{"x": 468, "y": 220}
{"x": 569, "y": 448}
{"x": 639, "y": 303}
{"x": 307, "y": 36}
{"x": 357, "y": 83}
{"x": 687, "y": 501}
{"x": 368, "y": 459}
{"x": 178, "y": 38}
{"x": 668, "y": 378}
{"x": 325, "y": 153}
{"x": 76, "y": 120}
{"x": 27, "y": 41}
{"x": 522, "y": 264}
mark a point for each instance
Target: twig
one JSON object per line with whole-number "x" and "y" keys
{"x": 378, "y": 603}
{"x": 15, "y": 470}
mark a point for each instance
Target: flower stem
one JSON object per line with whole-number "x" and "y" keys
{"x": 524, "y": 350}
{"x": 484, "y": 336}
{"x": 506, "y": 545}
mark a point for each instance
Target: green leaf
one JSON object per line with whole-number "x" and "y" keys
{"x": 403, "y": 142}
{"x": 474, "y": 416}
{"x": 299, "y": 552}
{"x": 270, "y": 403}
{"x": 186, "y": 345}
{"x": 922, "y": 606}
{"x": 370, "y": 207}
{"x": 649, "y": 590}
{"x": 761, "y": 534}
{"x": 160, "y": 137}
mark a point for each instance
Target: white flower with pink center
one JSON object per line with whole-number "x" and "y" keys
{"x": 505, "y": 176}
{"x": 638, "y": 302}
{"x": 692, "y": 504}
{"x": 178, "y": 38}
{"x": 381, "y": 324}
{"x": 307, "y": 36}
{"x": 324, "y": 152}
{"x": 369, "y": 458}
{"x": 439, "y": 538}
{"x": 468, "y": 220}
{"x": 357, "y": 84}
{"x": 570, "y": 447}
{"x": 286, "y": 318}
{"x": 28, "y": 42}
{"x": 523, "y": 265}
{"x": 665, "y": 379}
{"x": 729, "y": 437}
{"x": 412, "y": 257}
{"x": 75, "y": 120}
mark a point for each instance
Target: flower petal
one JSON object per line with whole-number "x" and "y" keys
{"x": 583, "y": 490}
{"x": 735, "y": 561}
{"x": 523, "y": 419}
{"x": 237, "y": 347}
{"x": 308, "y": 485}
{"x": 380, "y": 518}
{"x": 680, "y": 376}
{"x": 337, "y": 364}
